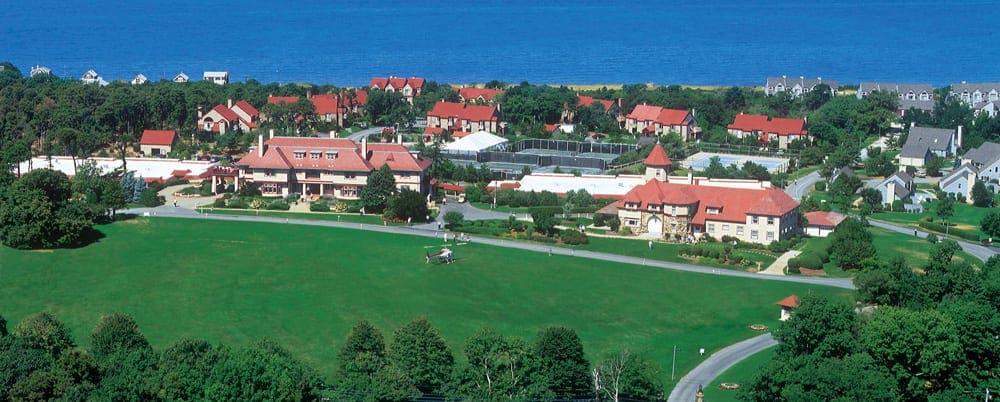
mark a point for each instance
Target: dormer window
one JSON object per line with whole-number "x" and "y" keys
{"x": 331, "y": 154}
{"x": 300, "y": 154}
{"x": 713, "y": 210}
{"x": 315, "y": 154}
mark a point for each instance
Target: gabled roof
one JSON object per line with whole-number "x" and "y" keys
{"x": 277, "y": 100}
{"x": 463, "y": 111}
{"x": 983, "y": 154}
{"x": 790, "y": 302}
{"x": 487, "y": 94}
{"x": 247, "y": 108}
{"x": 657, "y": 157}
{"x": 225, "y": 112}
{"x": 325, "y": 104}
{"x": 415, "y": 82}
{"x": 378, "y": 82}
{"x": 181, "y": 77}
{"x": 587, "y": 101}
{"x": 158, "y": 137}
{"x": 476, "y": 142}
{"x": 778, "y": 125}
{"x": 923, "y": 139}
{"x": 961, "y": 173}
{"x": 397, "y": 82}
{"x": 824, "y": 218}
{"x": 667, "y": 117}
{"x": 902, "y": 179}
{"x": 280, "y": 154}
{"x": 734, "y": 204}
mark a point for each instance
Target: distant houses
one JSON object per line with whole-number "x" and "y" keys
{"x": 982, "y": 97}
{"x": 139, "y": 80}
{"x": 330, "y": 107}
{"x": 797, "y": 86}
{"x": 654, "y": 121}
{"x": 978, "y": 164}
{"x": 478, "y": 95}
{"x": 408, "y": 87}
{"x": 765, "y": 129}
{"x": 911, "y": 96}
{"x": 216, "y": 77}
{"x": 39, "y": 70}
{"x": 181, "y": 78}
{"x": 91, "y": 77}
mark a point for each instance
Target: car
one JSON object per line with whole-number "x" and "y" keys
{"x": 461, "y": 198}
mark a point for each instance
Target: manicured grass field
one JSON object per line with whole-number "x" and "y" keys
{"x": 966, "y": 217}
{"x": 318, "y": 216}
{"x": 741, "y": 374}
{"x": 888, "y": 244}
{"x": 305, "y": 286}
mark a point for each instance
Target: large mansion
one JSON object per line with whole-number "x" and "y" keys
{"x": 328, "y": 166}
{"x": 764, "y": 129}
{"x": 677, "y": 207}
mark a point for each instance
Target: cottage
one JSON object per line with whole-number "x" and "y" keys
{"x": 461, "y": 119}
{"x": 408, "y": 87}
{"x": 656, "y": 121}
{"x": 223, "y": 118}
{"x": 331, "y": 107}
{"x": 797, "y": 87}
{"x": 821, "y": 223}
{"x": 960, "y": 181}
{"x": 157, "y": 142}
{"x": 39, "y": 70}
{"x": 583, "y": 101}
{"x": 91, "y": 77}
{"x": 911, "y": 96}
{"x": 217, "y": 77}
{"x": 986, "y": 159}
{"x": 181, "y": 78}
{"x": 139, "y": 80}
{"x": 765, "y": 129}
{"x": 896, "y": 187}
{"x": 925, "y": 142}
{"x": 334, "y": 167}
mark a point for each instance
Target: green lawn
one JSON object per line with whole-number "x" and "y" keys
{"x": 319, "y": 216}
{"x": 888, "y": 244}
{"x": 741, "y": 374}
{"x": 305, "y": 286}
{"x": 669, "y": 251}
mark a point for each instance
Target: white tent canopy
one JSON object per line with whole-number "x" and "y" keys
{"x": 477, "y": 142}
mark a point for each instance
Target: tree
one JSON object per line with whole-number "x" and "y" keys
{"x": 990, "y": 224}
{"x": 36, "y": 211}
{"x": 420, "y": 351}
{"x": 845, "y": 186}
{"x": 625, "y": 374}
{"x": 116, "y": 332}
{"x": 560, "y": 355}
{"x": 407, "y": 206}
{"x": 363, "y": 370}
{"x": 261, "y": 371}
{"x": 101, "y": 194}
{"x": 184, "y": 368}
{"x": 45, "y": 332}
{"x": 545, "y": 222}
{"x": 945, "y": 209}
{"x": 498, "y": 367}
{"x": 981, "y": 196}
{"x": 818, "y": 97}
{"x": 453, "y": 218}
{"x": 934, "y": 165}
{"x": 880, "y": 165}
{"x": 819, "y": 326}
{"x": 852, "y": 244}
{"x": 379, "y": 187}
{"x": 72, "y": 141}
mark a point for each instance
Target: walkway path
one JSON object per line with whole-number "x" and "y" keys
{"x": 356, "y": 137}
{"x": 799, "y": 188}
{"x": 977, "y": 250}
{"x": 778, "y": 266}
{"x": 716, "y": 364}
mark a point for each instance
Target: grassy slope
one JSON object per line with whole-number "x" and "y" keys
{"x": 889, "y": 244}
{"x": 966, "y": 216}
{"x": 741, "y": 374}
{"x": 306, "y": 286}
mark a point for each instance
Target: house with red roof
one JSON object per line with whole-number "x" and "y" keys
{"x": 408, "y": 87}
{"x": 336, "y": 167}
{"x": 670, "y": 209}
{"x": 461, "y": 119}
{"x": 478, "y": 95}
{"x": 330, "y": 107}
{"x": 584, "y": 101}
{"x": 157, "y": 142}
{"x": 822, "y": 223}
{"x": 652, "y": 121}
{"x": 224, "y": 118}
{"x": 766, "y": 129}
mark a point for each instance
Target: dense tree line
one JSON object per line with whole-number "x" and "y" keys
{"x": 40, "y": 360}
{"x": 932, "y": 337}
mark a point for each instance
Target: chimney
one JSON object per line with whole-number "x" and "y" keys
{"x": 271, "y": 134}
{"x": 913, "y": 124}
{"x": 690, "y": 176}
{"x": 958, "y": 141}
{"x": 971, "y": 182}
{"x": 364, "y": 147}
{"x": 399, "y": 139}
{"x": 260, "y": 145}
{"x": 199, "y": 113}
{"x": 229, "y": 103}
{"x": 309, "y": 94}
{"x": 890, "y": 192}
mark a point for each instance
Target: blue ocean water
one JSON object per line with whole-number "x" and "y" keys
{"x": 588, "y": 41}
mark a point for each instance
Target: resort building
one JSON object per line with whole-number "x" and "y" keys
{"x": 765, "y": 129}
{"x": 217, "y": 77}
{"x": 408, "y": 87}
{"x": 478, "y": 95}
{"x": 652, "y": 121}
{"x": 333, "y": 167}
{"x": 224, "y": 118}
{"x": 911, "y": 96}
{"x": 157, "y": 142}
{"x": 584, "y": 101}
{"x": 461, "y": 119}
{"x": 91, "y": 77}
{"x": 797, "y": 86}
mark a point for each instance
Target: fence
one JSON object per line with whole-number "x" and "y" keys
{"x": 572, "y": 146}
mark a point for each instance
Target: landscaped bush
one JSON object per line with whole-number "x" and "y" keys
{"x": 625, "y": 231}
{"x": 820, "y": 186}
{"x": 319, "y": 206}
{"x": 793, "y": 266}
{"x": 453, "y": 218}
{"x": 931, "y": 237}
{"x": 341, "y": 207}
{"x": 219, "y": 203}
{"x": 546, "y": 210}
{"x": 714, "y": 254}
{"x": 600, "y": 220}
{"x": 573, "y": 237}
{"x": 149, "y": 198}
{"x": 736, "y": 259}
{"x": 277, "y": 205}
{"x": 938, "y": 227}
{"x": 810, "y": 260}
{"x": 238, "y": 203}
{"x": 823, "y": 255}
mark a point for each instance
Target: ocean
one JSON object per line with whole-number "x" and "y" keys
{"x": 345, "y": 43}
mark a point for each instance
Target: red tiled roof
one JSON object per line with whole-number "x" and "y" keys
{"x": 790, "y": 302}
{"x": 827, "y": 219}
{"x": 779, "y": 125}
{"x": 277, "y": 100}
{"x": 247, "y": 108}
{"x": 397, "y": 157}
{"x": 488, "y": 94}
{"x": 667, "y": 117}
{"x": 180, "y": 173}
{"x": 378, "y": 82}
{"x": 445, "y": 110}
{"x": 550, "y": 127}
{"x": 415, "y": 82}
{"x": 226, "y": 113}
{"x": 460, "y": 134}
{"x": 158, "y": 137}
{"x": 433, "y": 130}
{"x": 657, "y": 157}
{"x": 452, "y": 187}
{"x": 587, "y": 101}
{"x": 361, "y": 97}
{"x": 325, "y": 104}
{"x": 397, "y": 82}
{"x": 280, "y": 154}
{"x": 735, "y": 203}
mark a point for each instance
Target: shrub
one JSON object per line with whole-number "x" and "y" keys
{"x": 931, "y": 237}
{"x": 573, "y": 237}
{"x": 150, "y": 199}
{"x": 600, "y": 220}
{"x": 219, "y": 203}
{"x": 614, "y": 223}
{"x": 811, "y": 261}
{"x": 239, "y": 203}
{"x": 341, "y": 207}
{"x": 277, "y": 205}
{"x": 793, "y": 266}
{"x": 625, "y": 231}
{"x": 823, "y": 255}
{"x": 714, "y": 254}
{"x": 820, "y": 186}
{"x": 454, "y": 218}
{"x": 319, "y": 207}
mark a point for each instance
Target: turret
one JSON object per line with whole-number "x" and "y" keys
{"x": 657, "y": 164}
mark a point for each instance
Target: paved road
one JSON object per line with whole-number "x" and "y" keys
{"x": 800, "y": 187}
{"x": 717, "y": 363}
{"x": 356, "y": 137}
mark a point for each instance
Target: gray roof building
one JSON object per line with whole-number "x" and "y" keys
{"x": 976, "y": 94}
{"x": 797, "y": 86}
{"x": 939, "y": 141}
{"x": 983, "y": 154}
{"x": 916, "y": 96}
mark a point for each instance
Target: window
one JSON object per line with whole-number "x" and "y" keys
{"x": 770, "y": 220}
{"x": 754, "y": 220}
{"x": 711, "y": 227}
{"x": 631, "y": 222}
{"x": 770, "y": 236}
{"x": 753, "y": 234}
{"x": 269, "y": 173}
{"x": 725, "y": 228}
{"x": 269, "y": 188}
{"x": 350, "y": 175}
{"x": 300, "y": 154}
{"x": 739, "y": 230}
{"x": 712, "y": 210}
{"x": 349, "y": 191}
{"x": 331, "y": 155}
{"x": 673, "y": 210}
{"x": 315, "y": 154}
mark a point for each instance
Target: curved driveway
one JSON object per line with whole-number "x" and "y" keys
{"x": 716, "y": 364}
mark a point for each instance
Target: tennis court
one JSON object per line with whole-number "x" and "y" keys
{"x": 701, "y": 160}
